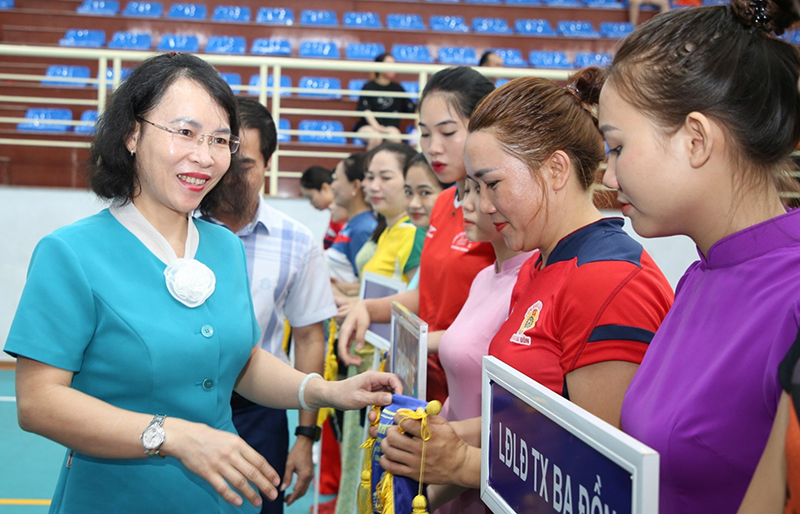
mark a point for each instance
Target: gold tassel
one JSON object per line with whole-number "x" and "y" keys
{"x": 331, "y": 368}
{"x": 385, "y": 494}
{"x": 364, "y": 496}
{"x": 420, "y": 504}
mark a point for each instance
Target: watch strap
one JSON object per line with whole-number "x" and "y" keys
{"x": 312, "y": 432}
{"x": 158, "y": 420}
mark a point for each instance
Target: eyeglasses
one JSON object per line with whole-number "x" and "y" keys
{"x": 187, "y": 138}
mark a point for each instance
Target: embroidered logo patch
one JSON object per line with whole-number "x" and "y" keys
{"x": 529, "y": 322}
{"x": 431, "y": 231}
{"x": 461, "y": 243}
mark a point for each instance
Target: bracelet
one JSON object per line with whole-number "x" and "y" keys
{"x": 301, "y": 393}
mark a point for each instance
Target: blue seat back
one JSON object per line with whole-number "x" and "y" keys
{"x": 615, "y": 30}
{"x": 231, "y": 13}
{"x": 37, "y": 119}
{"x": 574, "y": 28}
{"x": 319, "y": 18}
{"x": 233, "y": 80}
{"x": 275, "y": 16}
{"x": 364, "y": 51}
{"x": 356, "y": 85}
{"x": 91, "y": 117}
{"x": 535, "y": 27}
{"x": 364, "y": 20}
{"x": 286, "y": 82}
{"x": 324, "y": 129}
{"x": 144, "y": 9}
{"x": 283, "y": 124}
{"x": 320, "y": 84}
{"x": 549, "y": 59}
{"x": 482, "y": 1}
{"x": 264, "y": 46}
{"x": 131, "y": 41}
{"x": 411, "y": 86}
{"x": 563, "y": 3}
{"x": 490, "y": 26}
{"x": 510, "y": 56}
{"x": 6, "y": 4}
{"x": 523, "y": 2}
{"x": 405, "y": 22}
{"x": 124, "y": 73}
{"x": 319, "y": 50}
{"x": 584, "y": 59}
{"x": 83, "y": 38}
{"x": 59, "y": 71}
{"x": 411, "y": 53}
{"x": 606, "y": 4}
{"x": 226, "y": 45}
{"x": 188, "y": 12}
{"x": 448, "y": 24}
{"x": 458, "y": 55}
{"x": 99, "y": 7}
{"x": 179, "y": 43}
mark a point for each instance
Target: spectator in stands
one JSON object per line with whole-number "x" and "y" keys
{"x": 141, "y": 310}
{"x": 374, "y": 105}
{"x": 422, "y": 188}
{"x": 534, "y": 149}
{"x": 315, "y": 184}
{"x": 449, "y": 261}
{"x": 348, "y": 194}
{"x": 708, "y": 98}
{"x": 634, "y": 6}
{"x": 289, "y": 282}
{"x": 491, "y": 59}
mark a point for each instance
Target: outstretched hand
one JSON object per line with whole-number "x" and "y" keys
{"x": 353, "y": 330}
{"x": 363, "y": 390}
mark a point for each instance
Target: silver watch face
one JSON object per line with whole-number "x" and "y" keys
{"x": 152, "y": 437}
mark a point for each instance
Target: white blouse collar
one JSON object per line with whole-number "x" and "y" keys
{"x": 133, "y": 220}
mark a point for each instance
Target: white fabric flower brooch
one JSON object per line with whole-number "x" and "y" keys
{"x": 190, "y": 281}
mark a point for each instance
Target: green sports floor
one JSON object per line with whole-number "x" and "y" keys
{"x": 29, "y": 464}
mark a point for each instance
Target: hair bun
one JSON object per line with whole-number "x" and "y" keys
{"x": 766, "y": 15}
{"x": 586, "y": 84}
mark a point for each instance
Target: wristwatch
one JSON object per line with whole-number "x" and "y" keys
{"x": 153, "y": 436}
{"x": 313, "y": 432}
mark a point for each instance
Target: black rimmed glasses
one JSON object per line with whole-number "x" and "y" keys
{"x": 187, "y": 138}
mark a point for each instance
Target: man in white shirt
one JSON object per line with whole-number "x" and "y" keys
{"x": 288, "y": 280}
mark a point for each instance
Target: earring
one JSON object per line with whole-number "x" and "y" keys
{"x": 133, "y": 154}
{"x": 353, "y": 193}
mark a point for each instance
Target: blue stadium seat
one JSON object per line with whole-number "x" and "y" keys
{"x": 411, "y": 86}
{"x": 549, "y": 59}
{"x": 405, "y": 22}
{"x": 535, "y": 28}
{"x": 364, "y": 51}
{"x": 319, "y": 49}
{"x": 144, "y": 9}
{"x": 188, "y": 12}
{"x": 490, "y": 26}
{"x": 59, "y": 71}
{"x": 452, "y": 1}
{"x": 286, "y": 82}
{"x": 271, "y": 47}
{"x": 355, "y": 85}
{"x": 231, "y": 13}
{"x": 606, "y": 4}
{"x": 83, "y": 38}
{"x": 275, "y": 16}
{"x": 523, "y": 2}
{"x": 510, "y": 56}
{"x": 577, "y": 29}
{"x": 90, "y": 116}
{"x": 283, "y": 124}
{"x": 6, "y": 4}
{"x": 411, "y": 53}
{"x": 320, "y": 84}
{"x": 37, "y": 119}
{"x": 124, "y": 73}
{"x": 457, "y": 55}
{"x": 179, "y": 43}
{"x": 233, "y": 80}
{"x": 615, "y": 30}
{"x": 584, "y": 59}
{"x": 362, "y": 20}
{"x": 131, "y": 41}
{"x": 448, "y": 24}
{"x": 99, "y": 7}
{"x": 226, "y": 45}
{"x": 482, "y": 1}
{"x": 563, "y": 3}
{"x": 325, "y": 129}
{"x": 501, "y": 82}
{"x": 319, "y": 18}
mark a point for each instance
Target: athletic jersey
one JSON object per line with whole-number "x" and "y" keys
{"x": 449, "y": 263}
{"x": 341, "y": 255}
{"x": 599, "y": 298}
{"x": 398, "y": 251}
{"x": 334, "y": 227}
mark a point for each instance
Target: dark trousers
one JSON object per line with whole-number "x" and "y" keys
{"x": 267, "y": 431}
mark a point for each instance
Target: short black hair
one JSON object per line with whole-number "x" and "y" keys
{"x": 253, "y": 115}
{"x": 315, "y": 176}
{"x": 485, "y": 57}
{"x": 112, "y": 169}
{"x": 354, "y": 166}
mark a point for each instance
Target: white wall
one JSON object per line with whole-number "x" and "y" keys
{"x": 28, "y": 214}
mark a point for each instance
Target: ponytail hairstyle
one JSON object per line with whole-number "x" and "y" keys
{"x": 724, "y": 62}
{"x": 532, "y": 117}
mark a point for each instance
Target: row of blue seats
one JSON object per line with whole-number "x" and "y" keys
{"x": 56, "y": 120}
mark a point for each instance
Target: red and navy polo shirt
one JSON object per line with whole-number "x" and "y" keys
{"x": 599, "y": 298}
